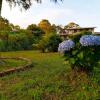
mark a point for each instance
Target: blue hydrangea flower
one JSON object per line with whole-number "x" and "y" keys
{"x": 66, "y": 45}
{"x": 90, "y": 40}
{"x": 97, "y": 40}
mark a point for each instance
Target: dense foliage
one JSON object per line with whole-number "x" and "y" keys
{"x": 85, "y": 55}
{"x": 13, "y": 38}
{"x": 46, "y": 26}
{"x": 49, "y": 43}
{"x": 72, "y": 25}
{"x": 4, "y": 24}
{"x": 10, "y": 41}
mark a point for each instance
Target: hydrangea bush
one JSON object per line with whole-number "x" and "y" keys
{"x": 90, "y": 40}
{"x": 82, "y": 52}
{"x": 66, "y": 45}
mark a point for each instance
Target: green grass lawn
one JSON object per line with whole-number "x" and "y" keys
{"x": 11, "y": 63}
{"x": 50, "y": 79}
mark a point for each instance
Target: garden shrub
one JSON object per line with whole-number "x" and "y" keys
{"x": 16, "y": 41}
{"x": 82, "y": 52}
{"x": 2, "y": 45}
{"x": 53, "y": 42}
{"x": 49, "y": 43}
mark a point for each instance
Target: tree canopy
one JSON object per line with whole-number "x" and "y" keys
{"x": 4, "y": 24}
{"x": 34, "y": 29}
{"x": 26, "y": 4}
{"x": 72, "y": 25}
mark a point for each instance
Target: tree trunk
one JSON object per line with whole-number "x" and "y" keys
{"x": 0, "y": 16}
{"x": 0, "y": 6}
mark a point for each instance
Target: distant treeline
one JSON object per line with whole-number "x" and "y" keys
{"x": 42, "y": 36}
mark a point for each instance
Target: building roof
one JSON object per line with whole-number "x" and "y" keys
{"x": 79, "y": 28}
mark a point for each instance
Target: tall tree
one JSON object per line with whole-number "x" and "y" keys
{"x": 72, "y": 25}
{"x": 4, "y": 24}
{"x": 0, "y": 6}
{"x": 46, "y": 26}
{"x": 35, "y": 30}
{"x": 21, "y": 3}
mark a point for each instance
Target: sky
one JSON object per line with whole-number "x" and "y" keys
{"x": 86, "y": 13}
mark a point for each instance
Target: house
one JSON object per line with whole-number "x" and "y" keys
{"x": 68, "y": 31}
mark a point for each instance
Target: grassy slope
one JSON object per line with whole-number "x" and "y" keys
{"x": 49, "y": 79}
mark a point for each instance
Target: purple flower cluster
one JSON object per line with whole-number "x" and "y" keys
{"x": 90, "y": 40}
{"x": 66, "y": 45}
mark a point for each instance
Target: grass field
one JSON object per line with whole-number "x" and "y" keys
{"x": 49, "y": 79}
{"x": 11, "y": 63}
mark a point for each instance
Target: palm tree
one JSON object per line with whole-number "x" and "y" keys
{"x": 21, "y": 3}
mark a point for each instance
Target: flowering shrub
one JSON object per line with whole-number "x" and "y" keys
{"x": 84, "y": 54}
{"x": 90, "y": 40}
{"x": 66, "y": 46}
